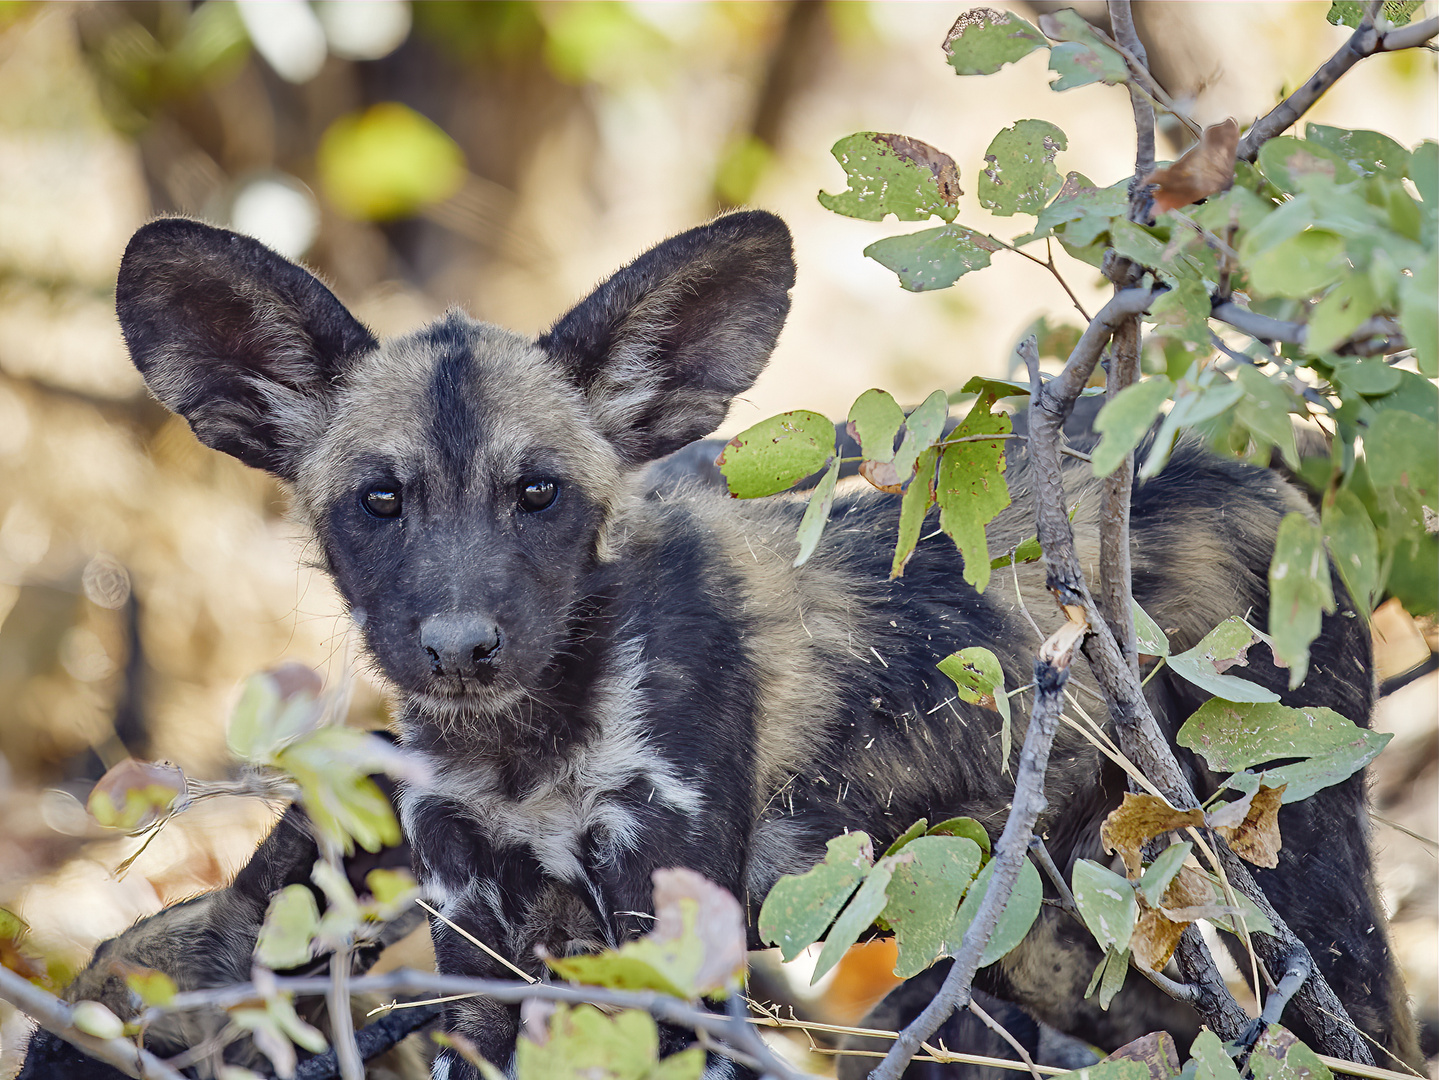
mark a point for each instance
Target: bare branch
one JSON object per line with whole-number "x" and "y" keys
{"x": 1375, "y": 336}
{"x": 1051, "y": 671}
{"x": 57, "y": 1017}
{"x": 1365, "y": 42}
{"x": 1139, "y": 734}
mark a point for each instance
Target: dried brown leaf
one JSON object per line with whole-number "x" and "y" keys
{"x": 1205, "y": 169}
{"x": 882, "y": 475}
{"x": 1137, "y": 820}
{"x": 1154, "y": 939}
{"x": 1251, "y": 825}
{"x": 1156, "y": 1051}
{"x": 946, "y": 173}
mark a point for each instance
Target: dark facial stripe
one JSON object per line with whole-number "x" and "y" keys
{"x": 454, "y": 428}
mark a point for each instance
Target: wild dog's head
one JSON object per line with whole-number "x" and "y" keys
{"x": 460, "y": 480}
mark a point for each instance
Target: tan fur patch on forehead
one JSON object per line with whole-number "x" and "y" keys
{"x": 505, "y": 401}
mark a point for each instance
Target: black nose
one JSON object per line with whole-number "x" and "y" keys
{"x": 459, "y": 645}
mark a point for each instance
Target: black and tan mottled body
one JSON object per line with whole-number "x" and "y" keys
{"x": 611, "y": 670}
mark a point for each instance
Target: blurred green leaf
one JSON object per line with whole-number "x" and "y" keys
{"x": 1402, "y": 450}
{"x": 1265, "y": 410}
{"x": 387, "y": 162}
{"x": 1124, "y": 419}
{"x": 1299, "y": 592}
{"x": 1353, "y": 546}
{"x": 1351, "y": 12}
{"x": 1340, "y": 312}
{"x": 290, "y": 926}
{"x": 1287, "y": 162}
{"x": 1419, "y": 315}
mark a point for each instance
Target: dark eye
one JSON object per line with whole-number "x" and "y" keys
{"x": 536, "y": 495}
{"x": 382, "y": 502}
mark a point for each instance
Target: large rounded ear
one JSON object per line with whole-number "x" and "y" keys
{"x": 245, "y": 345}
{"x": 661, "y": 348}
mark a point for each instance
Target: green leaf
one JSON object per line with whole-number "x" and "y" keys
{"x": 924, "y": 425}
{"x": 1112, "y": 981}
{"x": 917, "y": 500}
{"x": 1020, "y": 176}
{"x": 856, "y": 918}
{"x": 1264, "y": 410}
{"x": 1140, "y": 245}
{"x": 914, "y": 832}
{"x": 1211, "y": 1060}
{"x": 1278, "y": 1055}
{"x": 775, "y": 454}
{"x": 799, "y": 906}
{"x": 250, "y": 734}
{"x": 151, "y": 986}
{"x": 1419, "y": 315}
{"x": 983, "y": 40}
{"x": 1351, "y": 12}
{"x": 686, "y": 1065}
{"x": 1083, "y": 58}
{"x": 1014, "y": 922}
{"x": 1300, "y": 266}
{"x": 1191, "y": 407}
{"x": 892, "y": 174}
{"x": 1230, "y": 736}
{"x": 1353, "y": 546}
{"x": 1124, "y": 420}
{"x": 132, "y": 794}
{"x": 1027, "y": 552}
{"x": 1106, "y": 903}
{"x": 289, "y": 929}
{"x": 933, "y": 258}
{"x": 1370, "y": 377}
{"x": 671, "y": 964}
{"x": 1340, "y": 313}
{"x": 1288, "y": 162}
{"x": 1402, "y": 450}
{"x": 924, "y": 895}
{"x": 332, "y": 767}
{"x": 1151, "y": 639}
{"x": 1182, "y": 314}
{"x": 388, "y": 162}
{"x": 963, "y": 826}
{"x": 874, "y": 420}
{"x": 1083, "y": 211}
{"x": 1299, "y": 591}
{"x": 1424, "y": 171}
{"x": 816, "y": 514}
{"x": 1163, "y": 870}
{"x": 1223, "y": 647}
{"x": 971, "y": 488}
{"x": 979, "y": 680}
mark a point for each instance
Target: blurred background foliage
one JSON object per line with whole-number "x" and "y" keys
{"x": 503, "y": 157}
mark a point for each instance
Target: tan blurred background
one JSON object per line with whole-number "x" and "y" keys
{"x": 538, "y": 146}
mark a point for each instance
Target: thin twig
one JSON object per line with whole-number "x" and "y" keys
{"x": 1051, "y": 671}
{"x": 1003, "y": 1032}
{"x": 1364, "y": 42}
{"x": 57, "y": 1017}
{"x": 1380, "y": 334}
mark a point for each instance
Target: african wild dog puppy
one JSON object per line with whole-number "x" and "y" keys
{"x": 608, "y": 678}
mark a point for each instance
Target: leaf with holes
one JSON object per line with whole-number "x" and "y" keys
{"x": 893, "y": 174}
{"x": 1019, "y": 176}
{"x": 924, "y": 895}
{"x": 1224, "y": 647}
{"x": 1251, "y": 825}
{"x": 1137, "y": 820}
{"x": 1279, "y": 1055}
{"x": 983, "y": 40}
{"x": 775, "y": 454}
{"x": 933, "y": 258}
{"x": 979, "y": 680}
{"x": 799, "y": 906}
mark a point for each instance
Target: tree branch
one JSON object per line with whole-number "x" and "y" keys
{"x": 1373, "y": 337}
{"x": 1139, "y": 734}
{"x": 1051, "y": 672}
{"x": 57, "y": 1017}
{"x": 1364, "y": 42}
